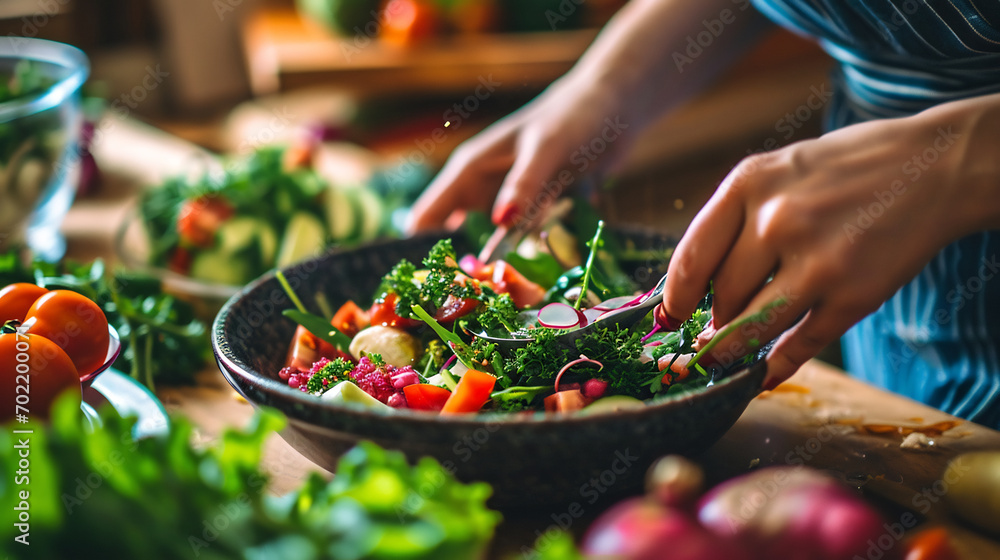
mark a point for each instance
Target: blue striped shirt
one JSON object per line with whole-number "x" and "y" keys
{"x": 936, "y": 339}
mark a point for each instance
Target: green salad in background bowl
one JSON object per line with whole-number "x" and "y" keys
{"x": 205, "y": 236}
{"x": 40, "y": 124}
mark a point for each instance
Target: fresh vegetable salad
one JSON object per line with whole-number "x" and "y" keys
{"x": 429, "y": 339}
{"x": 264, "y": 210}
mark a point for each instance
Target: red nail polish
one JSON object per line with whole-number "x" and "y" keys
{"x": 665, "y": 320}
{"x": 505, "y": 215}
{"x": 770, "y": 383}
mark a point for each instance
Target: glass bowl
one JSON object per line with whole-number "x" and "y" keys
{"x": 114, "y": 349}
{"x": 39, "y": 158}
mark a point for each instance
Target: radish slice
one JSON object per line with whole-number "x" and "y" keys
{"x": 560, "y": 316}
{"x": 592, "y": 314}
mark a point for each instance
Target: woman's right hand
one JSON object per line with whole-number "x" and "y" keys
{"x": 528, "y": 159}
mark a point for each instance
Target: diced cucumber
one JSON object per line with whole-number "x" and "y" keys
{"x": 240, "y": 233}
{"x": 220, "y": 267}
{"x": 268, "y": 240}
{"x": 304, "y": 237}
{"x": 343, "y": 214}
{"x": 347, "y": 392}
{"x": 373, "y": 214}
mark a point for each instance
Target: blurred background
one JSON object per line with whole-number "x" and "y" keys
{"x": 231, "y": 76}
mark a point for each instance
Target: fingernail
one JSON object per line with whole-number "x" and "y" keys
{"x": 770, "y": 383}
{"x": 505, "y": 214}
{"x": 665, "y": 320}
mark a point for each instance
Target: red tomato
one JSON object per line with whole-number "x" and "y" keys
{"x": 454, "y": 308}
{"x": 34, "y": 366}
{"x": 180, "y": 261}
{"x": 426, "y": 397}
{"x": 16, "y": 299}
{"x": 350, "y": 319}
{"x": 409, "y": 21}
{"x": 384, "y": 313}
{"x": 507, "y": 280}
{"x": 75, "y": 323}
{"x": 472, "y": 392}
{"x": 931, "y": 544}
{"x": 199, "y": 219}
{"x": 307, "y": 348}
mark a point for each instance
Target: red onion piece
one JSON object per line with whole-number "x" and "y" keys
{"x": 581, "y": 360}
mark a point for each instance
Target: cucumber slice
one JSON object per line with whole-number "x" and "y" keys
{"x": 373, "y": 214}
{"x": 342, "y": 215}
{"x": 240, "y": 233}
{"x": 304, "y": 237}
{"x": 220, "y": 267}
{"x": 267, "y": 238}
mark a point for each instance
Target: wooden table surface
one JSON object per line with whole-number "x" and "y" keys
{"x": 818, "y": 419}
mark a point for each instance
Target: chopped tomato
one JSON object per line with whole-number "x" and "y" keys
{"x": 180, "y": 261}
{"x": 524, "y": 292}
{"x": 350, "y": 319}
{"x": 200, "y": 218}
{"x": 308, "y": 348}
{"x": 384, "y": 313}
{"x": 426, "y": 397}
{"x": 566, "y": 401}
{"x": 472, "y": 392}
{"x": 454, "y": 308}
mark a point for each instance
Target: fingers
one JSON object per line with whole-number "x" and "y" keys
{"x": 528, "y": 189}
{"x": 742, "y": 274}
{"x": 703, "y": 247}
{"x": 468, "y": 181}
{"x": 802, "y": 342}
{"x": 773, "y": 310}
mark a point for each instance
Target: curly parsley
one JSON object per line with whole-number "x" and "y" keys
{"x": 332, "y": 373}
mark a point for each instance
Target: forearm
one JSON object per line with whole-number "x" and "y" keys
{"x": 965, "y": 136}
{"x": 656, "y": 53}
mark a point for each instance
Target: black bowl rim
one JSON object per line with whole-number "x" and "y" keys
{"x": 232, "y": 368}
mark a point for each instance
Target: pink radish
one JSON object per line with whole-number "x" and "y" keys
{"x": 560, "y": 316}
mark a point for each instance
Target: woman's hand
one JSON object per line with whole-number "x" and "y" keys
{"x": 841, "y": 222}
{"x": 639, "y": 67}
{"x": 529, "y": 158}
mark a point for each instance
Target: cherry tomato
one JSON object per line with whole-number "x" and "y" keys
{"x": 350, "y": 319}
{"x": 199, "y": 219}
{"x": 454, "y": 308}
{"x": 930, "y": 544}
{"x": 75, "y": 323}
{"x": 34, "y": 366}
{"x": 16, "y": 300}
{"x": 384, "y": 313}
{"x": 409, "y": 21}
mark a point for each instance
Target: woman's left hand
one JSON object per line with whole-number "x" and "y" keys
{"x": 840, "y": 222}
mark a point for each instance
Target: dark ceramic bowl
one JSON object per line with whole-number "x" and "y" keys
{"x": 531, "y": 460}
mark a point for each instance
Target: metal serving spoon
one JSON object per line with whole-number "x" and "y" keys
{"x": 624, "y": 317}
